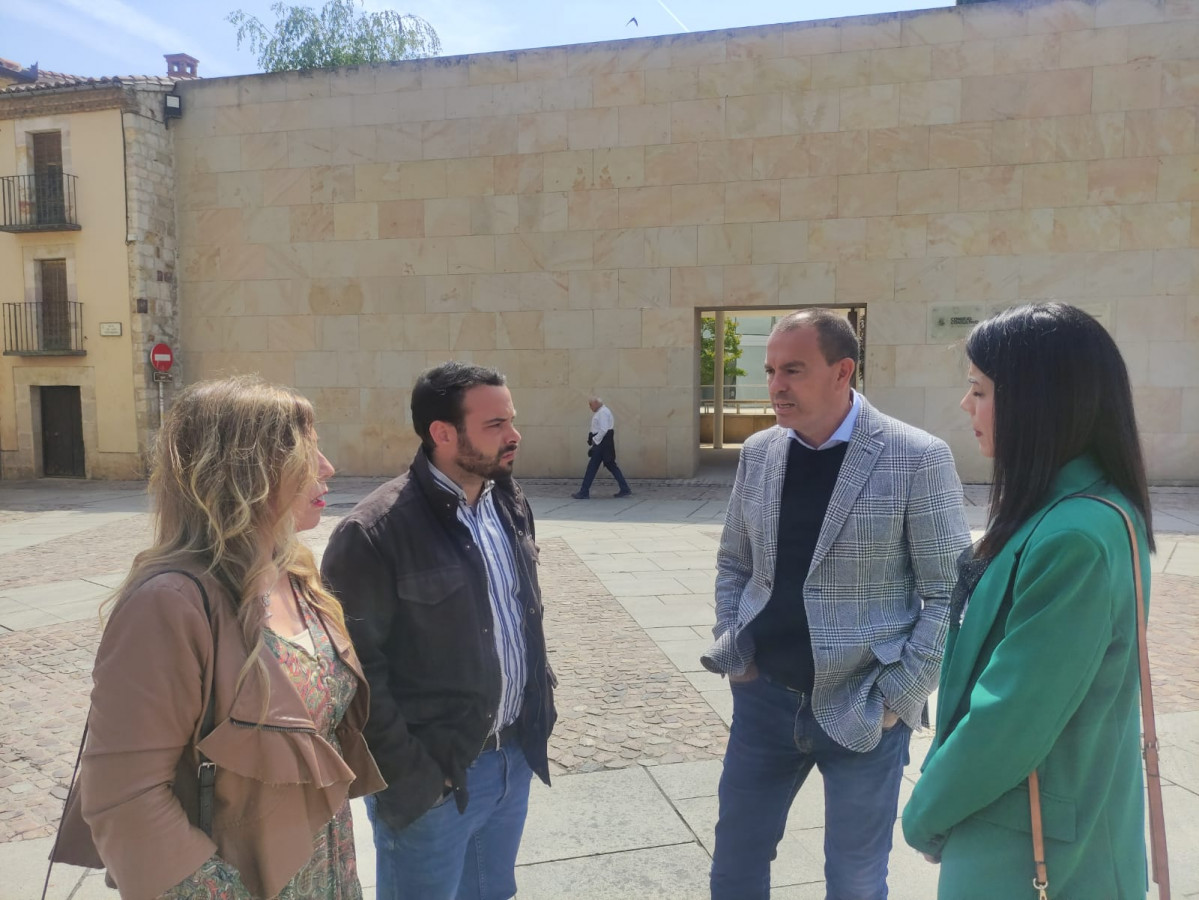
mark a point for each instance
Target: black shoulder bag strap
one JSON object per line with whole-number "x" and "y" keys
{"x": 206, "y": 772}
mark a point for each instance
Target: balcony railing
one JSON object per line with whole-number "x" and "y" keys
{"x": 43, "y": 329}
{"x": 43, "y": 202}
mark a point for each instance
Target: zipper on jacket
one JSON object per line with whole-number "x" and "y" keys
{"x": 283, "y": 728}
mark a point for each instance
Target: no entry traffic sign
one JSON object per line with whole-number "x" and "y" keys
{"x": 161, "y": 357}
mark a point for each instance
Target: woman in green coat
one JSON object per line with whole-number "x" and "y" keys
{"x": 1040, "y": 669}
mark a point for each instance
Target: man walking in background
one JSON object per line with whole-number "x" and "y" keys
{"x": 437, "y": 573}
{"x": 601, "y": 450}
{"x": 832, "y": 603}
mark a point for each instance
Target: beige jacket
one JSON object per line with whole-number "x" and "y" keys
{"x": 134, "y": 807}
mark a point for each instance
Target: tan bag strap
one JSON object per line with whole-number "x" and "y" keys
{"x": 1041, "y": 880}
{"x": 1157, "y": 816}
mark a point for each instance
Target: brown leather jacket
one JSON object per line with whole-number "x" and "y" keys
{"x": 276, "y": 786}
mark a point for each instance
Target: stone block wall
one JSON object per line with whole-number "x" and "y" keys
{"x": 565, "y": 214}
{"x": 150, "y": 177}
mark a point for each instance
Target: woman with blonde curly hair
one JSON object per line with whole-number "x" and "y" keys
{"x": 225, "y": 735}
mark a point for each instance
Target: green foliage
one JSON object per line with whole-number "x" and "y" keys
{"x": 707, "y": 351}
{"x": 340, "y": 34}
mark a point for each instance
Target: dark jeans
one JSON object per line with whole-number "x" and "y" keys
{"x": 593, "y": 466}
{"x": 773, "y": 745}
{"x": 445, "y": 855}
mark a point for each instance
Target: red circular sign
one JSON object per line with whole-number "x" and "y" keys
{"x": 161, "y": 357}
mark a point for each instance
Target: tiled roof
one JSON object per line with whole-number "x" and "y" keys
{"x": 47, "y": 81}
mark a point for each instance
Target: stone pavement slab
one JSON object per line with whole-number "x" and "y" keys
{"x": 637, "y": 750}
{"x": 599, "y": 813}
{"x": 678, "y": 872}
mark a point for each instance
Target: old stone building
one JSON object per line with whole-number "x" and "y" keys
{"x": 569, "y": 214}
{"x": 87, "y": 266}
{"x": 566, "y": 214}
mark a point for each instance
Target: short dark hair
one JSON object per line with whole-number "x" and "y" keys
{"x": 834, "y": 334}
{"x": 437, "y": 395}
{"x": 1061, "y": 391}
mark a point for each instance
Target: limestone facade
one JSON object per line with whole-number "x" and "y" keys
{"x": 121, "y": 259}
{"x": 565, "y": 214}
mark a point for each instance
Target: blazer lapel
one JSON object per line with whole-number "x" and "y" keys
{"x": 992, "y": 589}
{"x": 772, "y": 496}
{"x": 860, "y": 459}
{"x": 967, "y": 643}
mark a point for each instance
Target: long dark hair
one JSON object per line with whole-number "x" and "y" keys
{"x": 1061, "y": 391}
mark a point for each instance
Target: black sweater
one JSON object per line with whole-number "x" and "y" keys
{"x": 784, "y": 644}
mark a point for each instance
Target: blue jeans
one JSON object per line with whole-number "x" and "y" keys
{"x": 773, "y": 745}
{"x": 445, "y": 855}
{"x": 593, "y": 466}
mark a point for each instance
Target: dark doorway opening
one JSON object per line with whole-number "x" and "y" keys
{"x": 62, "y": 432}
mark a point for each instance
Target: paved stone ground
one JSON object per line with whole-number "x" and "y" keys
{"x": 620, "y": 699}
{"x": 1174, "y": 643}
{"x": 45, "y": 676}
{"x": 628, "y": 586}
{"x": 621, "y": 702}
{"x": 97, "y": 551}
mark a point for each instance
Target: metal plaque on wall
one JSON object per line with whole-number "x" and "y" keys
{"x": 953, "y": 323}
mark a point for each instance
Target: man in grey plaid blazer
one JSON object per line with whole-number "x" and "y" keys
{"x": 834, "y": 573}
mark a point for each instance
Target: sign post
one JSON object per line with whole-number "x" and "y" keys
{"x": 161, "y": 360}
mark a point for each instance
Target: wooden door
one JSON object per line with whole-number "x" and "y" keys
{"x": 62, "y": 433}
{"x": 55, "y": 312}
{"x": 49, "y": 191}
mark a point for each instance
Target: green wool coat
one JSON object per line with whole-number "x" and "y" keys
{"x": 1042, "y": 672}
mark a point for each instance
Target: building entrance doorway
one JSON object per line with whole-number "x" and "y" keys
{"x": 734, "y": 399}
{"x": 62, "y": 432}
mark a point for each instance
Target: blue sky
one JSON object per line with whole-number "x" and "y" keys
{"x": 120, "y": 37}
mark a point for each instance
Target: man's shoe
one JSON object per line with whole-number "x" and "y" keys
{"x": 579, "y": 495}
{"x": 622, "y": 494}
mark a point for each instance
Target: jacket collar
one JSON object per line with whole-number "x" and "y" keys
{"x": 445, "y": 503}
{"x": 865, "y": 447}
{"x": 285, "y": 708}
{"x": 1076, "y": 476}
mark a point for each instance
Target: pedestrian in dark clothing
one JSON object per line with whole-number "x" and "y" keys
{"x": 601, "y": 450}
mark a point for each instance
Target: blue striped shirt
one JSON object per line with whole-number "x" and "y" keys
{"x": 503, "y": 590}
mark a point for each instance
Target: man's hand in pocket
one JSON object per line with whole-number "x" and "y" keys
{"x": 751, "y": 674}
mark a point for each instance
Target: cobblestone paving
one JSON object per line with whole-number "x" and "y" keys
{"x": 45, "y": 677}
{"x": 620, "y": 700}
{"x": 85, "y": 554}
{"x": 1174, "y": 643}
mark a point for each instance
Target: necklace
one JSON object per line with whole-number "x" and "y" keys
{"x": 266, "y": 605}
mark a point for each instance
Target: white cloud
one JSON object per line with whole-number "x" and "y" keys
{"x": 69, "y": 27}
{"x": 127, "y": 20}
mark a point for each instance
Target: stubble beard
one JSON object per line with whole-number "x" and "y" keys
{"x": 495, "y": 468}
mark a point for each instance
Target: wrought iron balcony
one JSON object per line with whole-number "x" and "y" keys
{"x": 43, "y": 329}
{"x": 43, "y": 202}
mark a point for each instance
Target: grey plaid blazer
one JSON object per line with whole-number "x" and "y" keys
{"x": 877, "y": 593}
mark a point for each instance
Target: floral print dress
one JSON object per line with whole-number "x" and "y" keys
{"x": 326, "y": 685}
